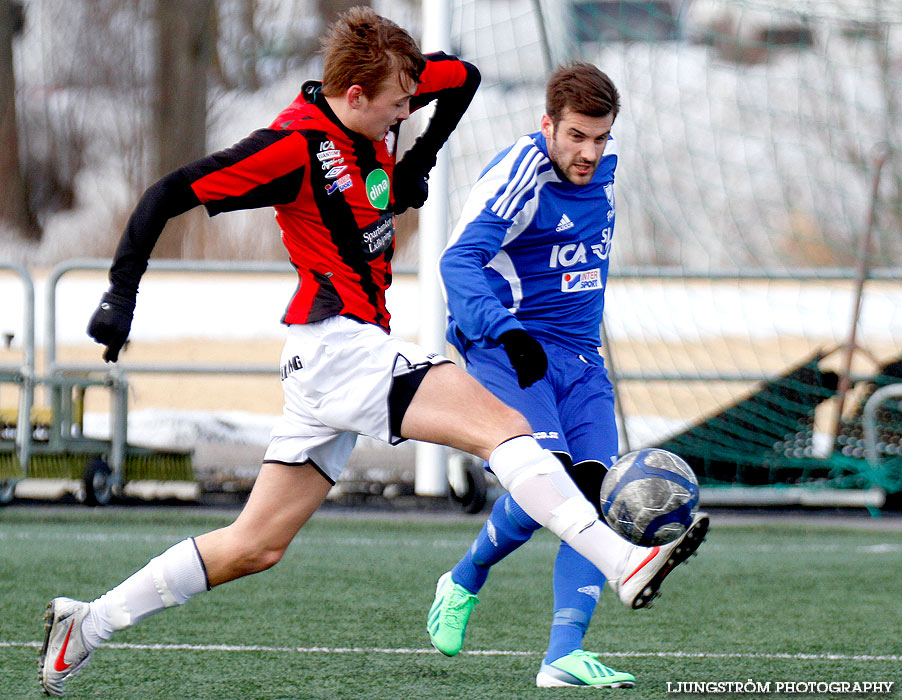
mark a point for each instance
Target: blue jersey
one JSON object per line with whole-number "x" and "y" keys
{"x": 531, "y": 251}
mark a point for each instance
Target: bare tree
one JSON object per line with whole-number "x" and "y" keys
{"x": 14, "y": 209}
{"x": 186, "y": 42}
{"x": 248, "y": 44}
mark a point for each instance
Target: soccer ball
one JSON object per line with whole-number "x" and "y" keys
{"x": 649, "y": 497}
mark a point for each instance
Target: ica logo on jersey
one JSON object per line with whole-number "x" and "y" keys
{"x": 576, "y": 253}
{"x": 329, "y": 157}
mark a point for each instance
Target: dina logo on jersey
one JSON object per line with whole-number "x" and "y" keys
{"x": 584, "y": 281}
{"x": 377, "y": 188}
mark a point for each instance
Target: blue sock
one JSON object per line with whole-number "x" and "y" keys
{"x": 577, "y": 586}
{"x": 506, "y": 529}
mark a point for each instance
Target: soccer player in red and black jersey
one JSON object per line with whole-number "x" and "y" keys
{"x": 327, "y": 166}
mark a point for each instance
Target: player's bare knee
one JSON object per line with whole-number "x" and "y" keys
{"x": 248, "y": 554}
{"x": 519, "y": 424}
{"x": 513, "y": 423}
{"x": 268, "y": 558}
{"x": 257, "y": 559}
{"x": 509, "y": 423}
{"x": 494, "y": 428}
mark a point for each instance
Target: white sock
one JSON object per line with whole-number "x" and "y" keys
{"x": 537, "y": 481}
{"x": 603, "y": 547}
{"x": 167, "y": 580}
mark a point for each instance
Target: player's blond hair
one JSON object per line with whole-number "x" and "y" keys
{"x": 362, "y": 48}
{"x": 584, "y": 89}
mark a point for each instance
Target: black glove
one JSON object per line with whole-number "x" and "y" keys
{"x": 526, "y": 354}
{"x": 111, "y": 322}
{"x": 410, "y": 183}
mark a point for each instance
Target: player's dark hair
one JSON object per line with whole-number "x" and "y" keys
{"x": 363, "y": 48}
{"x": 584, "y": 89}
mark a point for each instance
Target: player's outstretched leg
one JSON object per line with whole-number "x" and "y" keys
{"x": 64, "y": 652}
{"x": 74, "y": 629}
{"x": 646, "y": 567}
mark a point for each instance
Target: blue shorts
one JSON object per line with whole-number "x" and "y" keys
{"x": 571, "y": 409}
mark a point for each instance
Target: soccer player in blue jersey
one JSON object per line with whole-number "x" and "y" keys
{"x": 524, "y": 275}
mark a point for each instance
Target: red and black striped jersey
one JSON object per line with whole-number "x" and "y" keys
{"x": 332, "y": 192}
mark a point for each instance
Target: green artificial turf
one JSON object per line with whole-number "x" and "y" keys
{"x": 343, "y": 614}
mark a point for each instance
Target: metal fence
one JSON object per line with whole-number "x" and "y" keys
{"x": 60, "y": 376}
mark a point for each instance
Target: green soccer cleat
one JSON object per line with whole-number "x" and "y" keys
{"x": 448, "y": 616}
{"x": 581, "y": 669}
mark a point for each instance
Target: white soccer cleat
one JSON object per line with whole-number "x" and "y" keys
{"x": 646, "y": 567}
{"x": 64, "y": 653}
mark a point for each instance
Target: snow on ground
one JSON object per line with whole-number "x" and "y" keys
{"x": 252, "y": 306}
{"x": 183, "y": 430}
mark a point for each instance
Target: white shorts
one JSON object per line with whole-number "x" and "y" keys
{"x": 342, "y": 378}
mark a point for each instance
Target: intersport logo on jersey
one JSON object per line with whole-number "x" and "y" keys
{"x": 583, "y": 281}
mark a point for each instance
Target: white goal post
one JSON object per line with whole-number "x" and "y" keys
{"x": 431, "y": 465}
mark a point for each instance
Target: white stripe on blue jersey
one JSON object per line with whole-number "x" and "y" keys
{"x": 520, "y": 185}
{"x": 504, "y": 266}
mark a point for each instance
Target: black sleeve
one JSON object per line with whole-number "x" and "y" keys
{"x": 451, "y": 104}
{"x": 168, "y": 197}
{"x": 264, "y": 169}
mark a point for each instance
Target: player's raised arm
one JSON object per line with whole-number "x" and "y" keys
{"x": 260, "y": 170}
{"x": 452, "y": 83}
{"x": 167, "y": 198}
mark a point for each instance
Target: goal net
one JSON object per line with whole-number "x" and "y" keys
{"x": 758, "y": 147}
